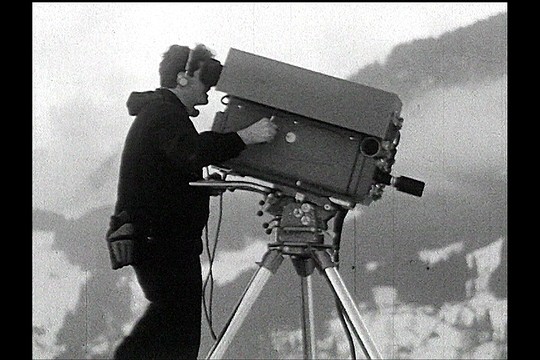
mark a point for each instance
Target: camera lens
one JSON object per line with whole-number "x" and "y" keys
{"x": 370, "y": 146}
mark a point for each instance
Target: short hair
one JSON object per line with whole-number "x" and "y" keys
{"x": 181, "y": 58}
{"x": 174, "y": 61}
{"x": 198, "y": 56}
{"x": 210, "y": 72}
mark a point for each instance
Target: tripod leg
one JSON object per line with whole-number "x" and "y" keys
{"x": 308, "y": 318}
{"x": 349, "y": 305}
{"x": 268, "y": 266}
{"x": 352, "y": 313}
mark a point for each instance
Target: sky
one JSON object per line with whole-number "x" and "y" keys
{"x": 100, "y": 52}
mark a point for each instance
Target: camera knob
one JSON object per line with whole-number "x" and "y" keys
{"x": 290, "y": 137}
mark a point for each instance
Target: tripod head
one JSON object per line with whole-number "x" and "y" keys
{"x": 300, "y": 220}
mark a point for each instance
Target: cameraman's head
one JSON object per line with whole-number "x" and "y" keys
{"x": 189, "y": 73}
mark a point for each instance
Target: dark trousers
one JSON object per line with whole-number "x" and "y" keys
{"x": 171, "y": 326}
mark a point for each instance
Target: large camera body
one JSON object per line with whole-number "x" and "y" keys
{"x": 335, "y": 138}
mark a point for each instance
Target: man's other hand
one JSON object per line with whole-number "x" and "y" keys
{"x": 122, "y": 251}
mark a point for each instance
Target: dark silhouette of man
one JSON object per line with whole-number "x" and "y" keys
{"x": 158, "y": 218}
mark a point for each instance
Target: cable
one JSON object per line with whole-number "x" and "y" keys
{"x": 209, "y": 280}
{"x": 346, "y": 328}
{"x": 338, "y": 228}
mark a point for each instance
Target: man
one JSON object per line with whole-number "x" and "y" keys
{"x": 158, "y": 221}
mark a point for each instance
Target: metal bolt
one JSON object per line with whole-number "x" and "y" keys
{"x": 298, "y": 213}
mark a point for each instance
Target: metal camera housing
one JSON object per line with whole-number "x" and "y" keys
{"x": 335, "y": 138}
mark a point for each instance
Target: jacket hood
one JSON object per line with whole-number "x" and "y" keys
{"x": 137, "y": 100}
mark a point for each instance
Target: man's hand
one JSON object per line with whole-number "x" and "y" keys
{"x": 262, "y": 131}
{"x": 120, "y": 241}
{"x": 122, "y": 251}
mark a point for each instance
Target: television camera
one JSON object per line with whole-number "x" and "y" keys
{"x": 335, "y": 147}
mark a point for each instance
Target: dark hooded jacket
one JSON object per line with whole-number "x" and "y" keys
{"x": 162, "y": 153}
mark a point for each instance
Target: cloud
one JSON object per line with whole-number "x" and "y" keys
{"x": 78, "y": 156}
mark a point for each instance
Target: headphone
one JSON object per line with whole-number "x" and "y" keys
{"x": 183, "y": 81}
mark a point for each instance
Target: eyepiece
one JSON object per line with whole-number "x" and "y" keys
{"x": 408, "y": 185}
{"x": 401, "y": 183}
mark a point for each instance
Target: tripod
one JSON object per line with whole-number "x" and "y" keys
{"x": 300, "y": 225}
